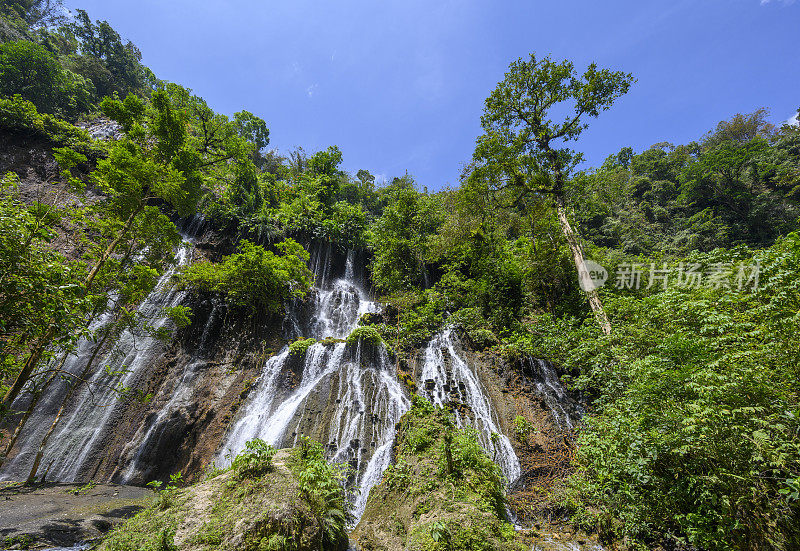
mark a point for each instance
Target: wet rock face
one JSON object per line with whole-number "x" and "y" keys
{"x": 449, "y": 376}
{"x": 102, "y": 129}
{"x": 418, "y": 504}
{"x": 29, "y": 158}
{"x": 198, "y": 386}
{"x": 343, "y": 394}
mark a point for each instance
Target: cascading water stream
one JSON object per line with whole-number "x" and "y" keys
{"x": 34, "y": 430}
{"x": 80, "y": 431}
{"x": 446, "y": 377}
{"x": 347, "y": 397}
{"x": 548, "y": 386}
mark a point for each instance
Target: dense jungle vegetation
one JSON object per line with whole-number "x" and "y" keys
{"x": 693, "y": 432}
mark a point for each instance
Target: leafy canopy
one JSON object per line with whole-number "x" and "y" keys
{"x": 524, "y": 145}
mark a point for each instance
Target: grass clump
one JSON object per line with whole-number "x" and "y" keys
{"x": 151, "y": 530}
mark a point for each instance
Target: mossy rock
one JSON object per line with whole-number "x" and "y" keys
{"x": 300, "y": 346}
{"x": 228, "y": 512}
{"x": 366, "y": 334}
{"x": 370, "y": 318}
{"x": 426, "y": 502}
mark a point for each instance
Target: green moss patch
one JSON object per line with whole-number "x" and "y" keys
{"x": 301, "y": 346}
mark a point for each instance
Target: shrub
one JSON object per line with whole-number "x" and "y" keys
{"x": 20, "y": 115}
{"x": 482, "y": 339}
{"x": 522, "y": 427}
{"x": 180, "y": 315}
{"x": 255, "y": 277}
{"x": 254, "y": 460}
{"x": 321, "y": 485}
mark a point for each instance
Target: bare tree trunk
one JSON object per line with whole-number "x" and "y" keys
{"x": 577, "y": 257}
{"x": 64, "y": 403}
{"x": 41, "y": 344}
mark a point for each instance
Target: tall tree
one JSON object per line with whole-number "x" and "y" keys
{"x": 524, "y": 148}
{"x": 173, "y": 145}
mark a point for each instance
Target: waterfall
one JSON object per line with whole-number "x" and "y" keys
{"x": 446, "y": 377}
{"x": 18, "y": 466}
{"x": 548, "y": 385}
{"x": 79, "y": 434}
{"x": 346, "y": 397}
{"x": 181, "y": 392}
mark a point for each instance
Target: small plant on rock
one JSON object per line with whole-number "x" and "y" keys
{"x": 523, "y": 428}
{"x": 254, "y": 460}
{"x": 301, "y": 346}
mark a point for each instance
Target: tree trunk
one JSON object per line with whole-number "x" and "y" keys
{"x": 577, "y": 257}
{"x": 21, "y": 424}
{"x": 27, "y": 368}
{"x": 64, "y": 403}
{"x": 40, "y": 346}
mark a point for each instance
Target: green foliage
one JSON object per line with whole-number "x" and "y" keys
{"x": 442, "y": 493}
{"x": 400, "y": 237}
{"x": 523, "y": 428}
{"x": 255, "y": 277}
{"x": 322, "y": 486}
{"x": 696, "y": 419}
{"x": 424, "y": 424}
{"x": 151, "y": 530}
{"x": 30, "y": 70}
{"x": 65, "y": 67}
{"x": 735, "y": 186}
{"x": 482, "y": 339}
{"x": 365, "y": 334}
{"x": 254, "y": 460}
{"x": 180, "y": 315}
{"x": 83, "y": 489}
{"x": 520, "y": 145}
{"x": 20, "y": 115}
{"x": 300, "y": 346}
{"x": 39, "y": 285}
{"x": 112, "y": 64}
{"x": 167, "y": 494}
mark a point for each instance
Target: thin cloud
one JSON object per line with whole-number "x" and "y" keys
{"x": 793, "y": 121}
{"x": 784, "y": 2}
{"x": 311, "y": 90}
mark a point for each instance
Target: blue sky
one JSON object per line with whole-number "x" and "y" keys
{"x": 399, "y": 86}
